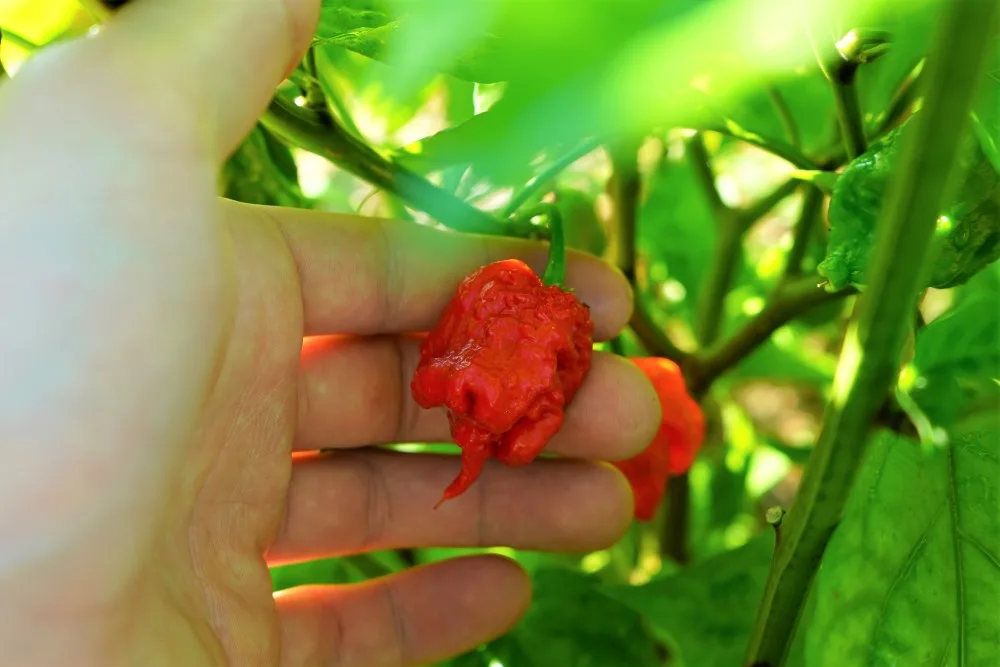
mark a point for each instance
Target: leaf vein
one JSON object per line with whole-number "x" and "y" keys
{"x": 911, "y": 559}
{"x": 957, "y": 545}
{"x": 981, "y": 548}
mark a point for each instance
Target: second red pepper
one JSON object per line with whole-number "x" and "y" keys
{"x": 676, "y": 443}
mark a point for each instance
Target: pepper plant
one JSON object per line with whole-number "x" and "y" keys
{"x": 805, "y": 197}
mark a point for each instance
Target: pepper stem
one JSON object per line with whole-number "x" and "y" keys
{"x": 555, "y": 268}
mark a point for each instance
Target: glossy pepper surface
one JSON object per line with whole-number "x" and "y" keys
{"x": 506, "y": 356}
{"x": 676, "y": 443}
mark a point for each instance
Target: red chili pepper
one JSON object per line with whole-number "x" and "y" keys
{"x": 507, "y": 355}
{"x": 676, "y": 443}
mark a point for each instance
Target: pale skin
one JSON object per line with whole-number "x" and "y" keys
{"x": 171, "y": 359}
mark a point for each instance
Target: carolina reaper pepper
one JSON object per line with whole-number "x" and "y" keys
{"x": 676, "y": 443}
{"x": 506, "y": 357}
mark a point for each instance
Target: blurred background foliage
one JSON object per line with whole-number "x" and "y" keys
{"x": 674, "y": 122}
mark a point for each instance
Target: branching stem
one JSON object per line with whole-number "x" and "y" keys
{"x": 302, "y": 129}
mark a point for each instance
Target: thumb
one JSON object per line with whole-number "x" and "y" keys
{"x": 222, "y": 59}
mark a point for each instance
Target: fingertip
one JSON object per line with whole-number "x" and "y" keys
{"x": 625, "y": 496}
{"x": 647, "y": 410}
{"x": 604, "y": 289}
{"x": 618, "y": 507}
{"x": 614, "y": 416}
{"x": 490, "y": 595}
{"x": 510, "y": 576}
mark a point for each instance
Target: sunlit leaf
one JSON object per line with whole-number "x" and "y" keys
{"x": 677, "y": 227}
{"x": 957, "y": 358}
{"x": 912, "y": 574}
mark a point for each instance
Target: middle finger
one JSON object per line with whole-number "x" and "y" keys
{"x": 356, "y": 391}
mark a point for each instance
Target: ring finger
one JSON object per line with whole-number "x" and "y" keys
{"x": 363, "y": 500}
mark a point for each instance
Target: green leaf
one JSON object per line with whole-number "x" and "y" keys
{"x": 325, "y": 571}
{"x": 987, "y": 108}
{"x": 708, "y": 608}
{"x": 676, "y": 226}
{"x": 342, "y": 16}
{"x": 912, "y": 574}
{"x": 458, "y": 144}
{"x": 262, "y": 171}
{"x": 572, "y": 622}
{"x": 957, "y": 358}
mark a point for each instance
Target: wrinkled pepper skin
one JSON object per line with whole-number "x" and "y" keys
{"x": 676, "y": 443}
{"x": 506, "y": 356}
{"x": 968, "y": 230}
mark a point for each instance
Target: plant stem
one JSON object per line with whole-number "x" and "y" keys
{"x": 555, "y": 266}
{"x": 785, "y": 151}
{"x": 726, "y": 258}
{"x": 316, "y": 98}
{"x": 763, "y": 206}
{"x": 845, "y": 94}
{"x": 725, "y": 262}
{"x": 869, "y": 361}
{"x": 789, "y": 300}
{"x": 653, "y": 337}
{"x": 323, "y": 101}
{"x": 624, "y": 188}
{"x": 902, "y": 100}
{"x": 677, "y": 518}
{"x": 303, "y": 129}
{"x": 786, "y": 117}
{"x": 539, "y": 181}
{"x": 901, "y": 103}
{"x": 702, "y": 164}
{"x": 811, "y": 204}
{"x": 18, "y": 40}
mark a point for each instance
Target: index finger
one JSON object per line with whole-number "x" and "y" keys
{"x": 360, "y": 275}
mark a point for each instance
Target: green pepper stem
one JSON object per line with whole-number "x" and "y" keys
{"x": 555, "y": 268}
{"x": 546, "y": 176}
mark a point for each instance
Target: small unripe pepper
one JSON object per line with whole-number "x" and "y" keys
{"x": 676, "y": 443}
{"x": 506, "y": 356}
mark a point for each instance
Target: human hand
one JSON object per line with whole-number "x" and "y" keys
{"x": 158, "y": 383}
